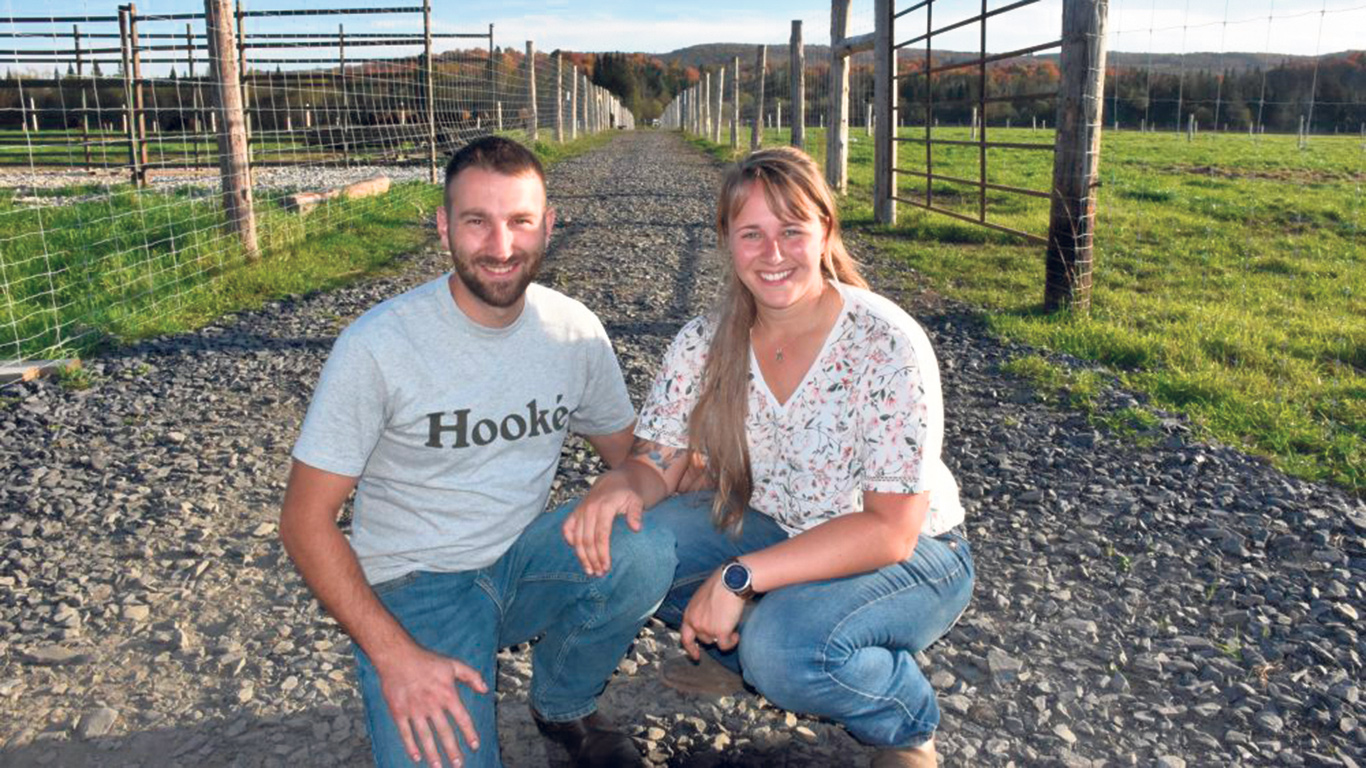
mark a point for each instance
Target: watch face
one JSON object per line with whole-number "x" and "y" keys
{"x": 735, "y": 577}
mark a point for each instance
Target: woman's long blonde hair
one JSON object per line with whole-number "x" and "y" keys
{"x": 794, "y": 189}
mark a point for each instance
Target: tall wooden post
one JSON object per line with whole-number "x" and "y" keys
{"x": 797, "y": 66}
{"x": 241, "y": 43}
{"x": 735, "y": 103}
{"x": 1071, "y": 227}
{"x": 492, "y": 76}
{"x": 573, "y": 102}
{"x": 837, "y": 134}
{"x": 884, "y": 113}
{"x": 430, "y": 94}
{"x": 586, "y": 99}
{"x": 720, "y": 104}
{"x": 195, "y": 113}
{"x": 704, "y": 104}
{"x": 232, "y": 140}
{"x": 532, "y": 118}
{"x": 85, "y": 115}
{"x": 141, "y": 104}
{"x": 135, "y": 174}
{"x": 346, "y": 100}
{"x": 559, "y": 98}
{"x": 756, "y": 131}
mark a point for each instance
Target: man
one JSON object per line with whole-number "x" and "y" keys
{"x": 446, "y": 408}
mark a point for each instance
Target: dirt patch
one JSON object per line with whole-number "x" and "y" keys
{"x": 1294, "y": 175}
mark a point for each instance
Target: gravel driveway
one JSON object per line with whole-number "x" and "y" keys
{"x": 1160, "y": 602}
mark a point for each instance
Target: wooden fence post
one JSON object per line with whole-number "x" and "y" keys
{"x": 492, "y": 75}
{"x": 756, "y": 131}
{"x": 241, "y": 18}
{"x": 735, "y": 103}
{"x": 837, "y": 134}
{"x": 591, "y": 115}
{"x": 573, "y": 102}
{"x": 428, "y": 83}
{"x": 720, "y": 104}
{"x": 705, "y": 104}
{"x": 129, "y": 101}
{"x": 141, "y": 106}
{"x": 559, "y": 98}
{"x": 85, "y": 115}
{"x": 532, "y": 118}
{"x": 884, "y": 114}
{"x": 797, "y": 66}
{"x": 195, "y": 106}
{"x": 585, "y": 96}
{"x": 1071, "y": 227}
{"x": 232, "y": 141}
{"x": 346, "y": 100}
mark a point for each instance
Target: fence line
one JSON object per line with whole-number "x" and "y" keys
{"x": 110, "y": 172}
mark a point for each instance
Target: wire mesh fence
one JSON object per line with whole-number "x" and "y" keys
{"x": 110, "y": 168}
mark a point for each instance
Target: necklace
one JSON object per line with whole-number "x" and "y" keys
{"x": 778, "y": 354}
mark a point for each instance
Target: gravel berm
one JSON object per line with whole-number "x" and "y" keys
{"x": 1141, "y": 601}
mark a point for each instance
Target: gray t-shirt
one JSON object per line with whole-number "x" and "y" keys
{"x": 455, "y": 429}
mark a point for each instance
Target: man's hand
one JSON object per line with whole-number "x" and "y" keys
{"x": 588, "y": 529}
{"x": 712, "y": 615}
{"x": 420, "y": 688}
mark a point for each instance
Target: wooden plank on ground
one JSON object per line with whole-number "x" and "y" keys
{"x": 28, "y": 370}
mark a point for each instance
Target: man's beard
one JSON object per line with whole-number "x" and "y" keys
{"x": 502, "y": 294}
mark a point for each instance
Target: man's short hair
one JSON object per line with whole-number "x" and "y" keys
{"x": 496, "y": 154}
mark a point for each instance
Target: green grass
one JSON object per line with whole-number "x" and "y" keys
{"x": 1230, "y": 278}
{"x": 140, "y": 263}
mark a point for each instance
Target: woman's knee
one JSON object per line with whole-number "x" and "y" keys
{"x": 783, "y": 659}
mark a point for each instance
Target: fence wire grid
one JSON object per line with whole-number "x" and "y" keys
{"x": 110, "y": 188}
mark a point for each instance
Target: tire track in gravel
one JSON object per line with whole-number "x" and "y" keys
{"x": 1156, "y": 603}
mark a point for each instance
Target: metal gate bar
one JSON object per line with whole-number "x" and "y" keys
{"x": 982, "y": 143}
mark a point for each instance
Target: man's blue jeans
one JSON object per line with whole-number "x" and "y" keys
{"x": 843, "y": 648}
{"x": 536, "y": 589}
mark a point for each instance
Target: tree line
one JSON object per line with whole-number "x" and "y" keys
{"x": 1328, "y": 93}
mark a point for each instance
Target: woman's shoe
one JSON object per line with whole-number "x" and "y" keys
{"x": 707, "y": 677}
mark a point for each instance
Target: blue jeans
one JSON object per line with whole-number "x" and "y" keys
{"x": 843, "y": 648}
{"x": 536, "y": 589}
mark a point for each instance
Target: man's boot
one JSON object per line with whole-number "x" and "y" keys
{"x": 589, "y": 742}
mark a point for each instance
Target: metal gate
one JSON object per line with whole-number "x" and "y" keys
{"x": 1076, "y": 144}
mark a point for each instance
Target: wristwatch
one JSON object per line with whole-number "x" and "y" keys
{"x": 736, "y": 577}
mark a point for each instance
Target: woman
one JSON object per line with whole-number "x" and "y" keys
{"x": 831, "y": 554}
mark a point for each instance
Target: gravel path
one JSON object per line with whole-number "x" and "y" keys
{"x": 1166, "y": 604}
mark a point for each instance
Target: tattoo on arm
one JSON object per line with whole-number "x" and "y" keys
{"x": 661, "y": 457}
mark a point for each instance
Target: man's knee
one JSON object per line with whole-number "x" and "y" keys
{"x": 643, "y": 561}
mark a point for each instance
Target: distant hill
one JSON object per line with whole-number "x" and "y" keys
{"x": 712, "y": 55}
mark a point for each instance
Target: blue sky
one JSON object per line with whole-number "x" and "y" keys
{"x": 1276, "y": 26}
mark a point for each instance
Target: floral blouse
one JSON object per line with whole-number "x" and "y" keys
{"x": 868, "y": 416}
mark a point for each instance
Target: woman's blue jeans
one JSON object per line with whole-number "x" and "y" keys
{"x": 841, "y": 649}
{"x": 536, "y": 589}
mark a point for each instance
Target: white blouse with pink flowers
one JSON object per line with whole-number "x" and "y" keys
{"x": 868, "y": 416}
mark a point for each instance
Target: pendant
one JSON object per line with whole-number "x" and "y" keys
{"x": 778, "y": 355}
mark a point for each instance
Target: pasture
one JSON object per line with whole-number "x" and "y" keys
{"x": 1230, "y": 277}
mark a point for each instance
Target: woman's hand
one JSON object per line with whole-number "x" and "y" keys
{"x": 588, "y": 529}
{"x": 712, "y": 615}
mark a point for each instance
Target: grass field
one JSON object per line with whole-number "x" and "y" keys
{"x": 1230, "y": 278}
{"x": 114, "y": 263}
